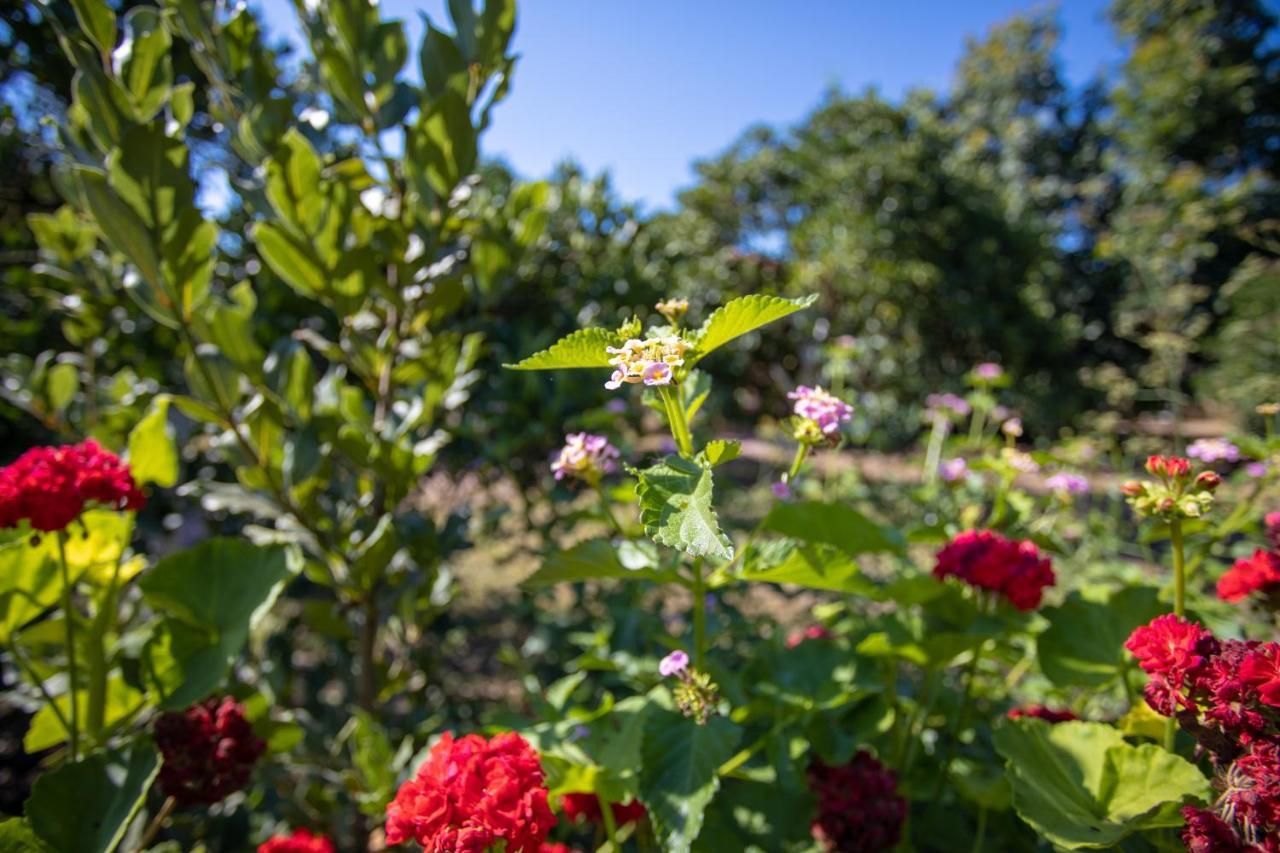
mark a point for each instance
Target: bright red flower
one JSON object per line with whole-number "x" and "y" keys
{"x": 1260, "y": 670}
{"x": 989, "y": 561}
{"x": 1172, "y": 652}
{"x": 813, "y": 632}
{"x": 586, "y": 806}
{"x": 51, "y": 486}
{"x": 859, "y": 809}
{"x": 555, "y": 847}
{"x": 470, "y": 794}
{"x": 1205, "y": 832}
{"x": 209, "y": 751}
{"x": 1247, "y": 576}
{"x": 1040, "y": 712}
{"x": 299, "y": 841}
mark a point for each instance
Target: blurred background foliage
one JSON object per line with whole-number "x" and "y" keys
{"x": 1113, "y": 245}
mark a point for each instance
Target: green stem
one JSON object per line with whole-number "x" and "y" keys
{"x": 1179, "y": 608}
{"x": 699, "y": 590}
{"x": 802, "y": 452}
{"x": 981, "y": 836}
{"x": 933, "y": 457}
{"x": 103, "y": 621}
{"x": 676, "y": 419}
{"x": 744, "y": 755}
{"x": 608, "y": 512}
{"x": 962, "y": 718}
{"x": 610, "y": 824}
{"x": 73, "y": 674}
{"x": 26, "y": 667}
{"x": 153, "y": 828}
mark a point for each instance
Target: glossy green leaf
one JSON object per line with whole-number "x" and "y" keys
{"x": 153, "y": 455}
{"x": 146, "y": 69}
{"x": 583, "y": 348}
{"x": 675, "y": 508}
{"x": 86, "y": 807}
{"x": 678, "y": 779}
{"x": 98, "y": 21}
{"x": 293, "y": 182}
{"x": 833, "y": 524}
{"x": 740, "y": 316}
{"x": 1083, "y": 786}
{"x": 290, "y": 259}
{"x": 445, "y": 143}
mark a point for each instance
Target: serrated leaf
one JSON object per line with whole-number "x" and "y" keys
{"x": 833, "y": 524}
{"x": 678, "y": 778}
{"x": 720, "y": 451}
{"x": 739, "y": 316}
{"x": 87, "y": 806}
{"x": 583, "y": 348}
{"x": 1082, "y": 786}
{"x": 675, "y": 508}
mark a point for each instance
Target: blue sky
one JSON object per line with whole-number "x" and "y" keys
{"x": 644, "y": 89}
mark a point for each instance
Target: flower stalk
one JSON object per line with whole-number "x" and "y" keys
{"x": 73, "y": 674}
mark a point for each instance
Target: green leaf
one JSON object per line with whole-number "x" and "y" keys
{"x": 98, "y": 21}
{"x": 739, "y": 316}
{"x": 293, "y": 182}
{"x": 1084, "y": 643}
{"x": 372, "y": 758}
{"x": 153, "y": 456}
{"x": 146, "y": 70}
{"x": 833, "y": 524}
{"x": 444, "y": 143}
{"x": 583, "y": 348}
{"x": 16, "y": 836}
{"x": 442, "y": 64}
{"x": 289, "y": 258}
{"x": 61, "y": 385}
{"x": 212, "y": 596}
{"x": 497, "y": 23}
{"x": 122, "y": 228}
{"x": 86, "y": 807}
{"x": 675, "y": 508}
{"x": 678, "y": 779}
{"x": 814, "y": 567}
{"x": 46, "y": 728}
{"x": 1082, "y": 786}
{"x": 29, "y": 582}
{"x": 720, "y": 451}
{"x": 595, "y": 559}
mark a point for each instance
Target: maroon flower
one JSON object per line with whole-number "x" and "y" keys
{"x": 1040, "y": 712}
{"x": 859, "y": 809}
{"x": 51, "y": 486}
{"x": 1205, "y": 832}
{"x": 987, "y": 560}
{"x": 299, "y": 841}
{"x": 209, "y": 751}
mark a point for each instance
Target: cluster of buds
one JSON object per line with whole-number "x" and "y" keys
{"x": 673, "y": 310}
{"x": 818, "y": 415}
{"x": 696, "y": 695}
{"x": 653, "y": 361}
{"x": 585, "y": 457}
{"x": 1178, "y": 492}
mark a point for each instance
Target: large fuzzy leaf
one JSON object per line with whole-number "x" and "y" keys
{"x": 583, "y": 348}
{"x": 675, "y": 508}
{"x": 1084, "y": 644}
{"x": 739, "y": 316}
{"x": 679, "y": 760}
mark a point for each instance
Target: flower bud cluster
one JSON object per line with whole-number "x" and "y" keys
{"x": 1176, "y": 493}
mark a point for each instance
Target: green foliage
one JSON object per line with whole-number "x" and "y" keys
{"x": 832, "y": 524}
{"x": 675, "y": 508}
{"x": 86, "y": 807}
{"x": 583, "y": 348}
{"x": 1084, "y": 643}
{"x": 740, "y": 316}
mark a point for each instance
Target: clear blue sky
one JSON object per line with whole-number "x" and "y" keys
{"x": 644, "y": 89}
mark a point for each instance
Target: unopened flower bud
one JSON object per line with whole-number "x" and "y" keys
{"x": 673, "y": 309}
{"x": 1208, "y": 480}
{"x": 1132, "y": 488}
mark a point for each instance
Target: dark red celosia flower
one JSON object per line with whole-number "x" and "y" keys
{"x": 298, "y": 841}
{"x": 1260, "y": 671}
{"x": 813, "y": 632}
{"x": 989, "y": 561}
{"x": 1040, "y": 712}
{"x": 1229, "y": 702}
{"x": 1252, "y": 795}
{"x": 859, "y": 809}
{"x": 586, "y": 806}
{"x": 209, "y": 751}
{"x": 1271, "y": 523}
{"x": 50, "y": 486}
{"x": 1247, "y": 576}
{"x": 1205, "y": 832}
{"x": 470, "y": 794}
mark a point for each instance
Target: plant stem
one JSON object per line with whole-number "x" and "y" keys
{"x": 1179, "y": 609}
{"x": 153, "y": 828}
{"x": 368, "y": 644}
{"x": 962, "y": 718}
{"x": 610, "y": 824}
{"x": 981, "y": 836}
{"x": 699, "y": 615}
{"x": 675, "y": 418}
{"x": 802, "y": 452}
{"x": 73, "y": 675}
{"x": 608, "y": 512}
{"x": 933, "y": 456}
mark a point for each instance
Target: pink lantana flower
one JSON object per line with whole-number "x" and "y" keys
{"x": 818, "y": 414}
{"x": 673, "y": 664}
{"x": 585, "y": 457}
{"x": 652, "y": 361}
{"x": 1067, "y": 484}
{"x": 1213, "y": 450}
{"x": 952, "y": 470}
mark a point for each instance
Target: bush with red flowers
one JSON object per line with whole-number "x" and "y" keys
{"x": 298, "y": 841}
{"x": 859, "y": 809}
{"x": 471, "y": 794}
{"x": 50, "y": 486}
{"x": 208, "y": 751}
{"x": 986, "y": 560}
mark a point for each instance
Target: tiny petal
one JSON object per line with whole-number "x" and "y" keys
{"x": 673, "y": 664}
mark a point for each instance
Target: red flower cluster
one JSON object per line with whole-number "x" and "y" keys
{"x": 859, "y": 809}
{"x": 586, "y": 806}
{"x": 1258, "y": 573}
{"x": 989, "y": 561}
{"x": 813, "y": 632}
{"x": 1040, "y": 712}
{"x": 299, "y": 841}
{"x": 50, "y": 486}
{"x": 1226, "y": 694}
{"x": 470, "y": 794}
{"x": 208, "y": 750}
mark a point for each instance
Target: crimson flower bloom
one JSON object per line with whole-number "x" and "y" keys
{"x": 1173, "y": 652}
{"x": 813, "y": 632}
{"x": 1205, "y": 832}
{"x": 209, "y": 751}
{"x": 1040, "y": 712}
{"x": 51, "y": 486}
{"x": 299, "y": 841}
{"x": 987, "y": 560}
{"x": 859, "y": 809}
{"x": 1247, "y": 576}
{"x": 1260, "y": 670}
{"x": 470, "y": 795}
{"x": 586, "y": 806}
{"x": 555, "y": 847}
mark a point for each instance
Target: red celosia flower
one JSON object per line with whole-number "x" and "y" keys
{"x": 1260, "y": 670}
{"x": 813, "y": 632}
{"x": 989, "y": 561}
{"x": 1205, "y": 832}
{"x": 586, "y": 806}
{"x": 470, "y": 794}
{"x": 50, "y": 486}
{"x": 1247, "y": 576}
{"x": 1040, "y": 712}
{"x": 858, "y": 807}
{"x": 299, "y": 841}
{"x": 208, "y": 750}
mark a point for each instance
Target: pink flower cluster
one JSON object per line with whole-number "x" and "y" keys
{"x": 1213, "y": 450}
{"x": 858, "y": 805}
{"x": 820, "y": 407}
{"x": 1068, "y": 484}
{"x": 987, "y": 560}
{"x": 652, "y": 361}
{"x": 51, "y": 486}
{"x": 1226, "y": 694}
{"x": 585, "y": 457}
{"x": 940, "y": 404}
